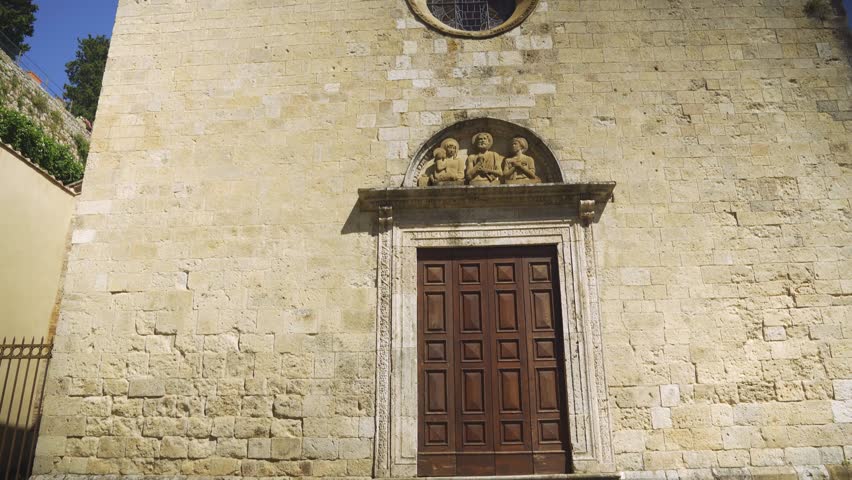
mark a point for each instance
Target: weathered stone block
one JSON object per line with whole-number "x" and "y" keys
{"x": 231, "y": 447}
{"x": 51, "y": 446}
{"x": 355, "y": 448}
{"x": 200, "y": 448}
{"x": 765, "y": 457}
{"x": 173, "y": 447}
{"x": 286, "y": 448}
{"x": 259, "y": 448}
{"x": 320, "y": 448}
{"x": 251, "y": 427}
{"x": 842, "y": 411}
{"x": 257, "y": 406}
{"x": 661, "y": 417}
{"x": 146, "y": 387}
{"x": 286, "y": 428}
{"x": 143, "y": 447}
{"x": 211, "y": 467}
{"x": 111, "y": 447}
{"x": 82, "y": 447}
{"x": 669, "y": 395}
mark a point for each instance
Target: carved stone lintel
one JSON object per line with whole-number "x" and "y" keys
{"x": 471, "y": 196}
{"x": 587, "y": 211}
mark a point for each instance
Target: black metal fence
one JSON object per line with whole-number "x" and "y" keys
{"x": 23, "y": 365}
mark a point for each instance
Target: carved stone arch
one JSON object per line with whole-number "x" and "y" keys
{"x": 546, "y": 165}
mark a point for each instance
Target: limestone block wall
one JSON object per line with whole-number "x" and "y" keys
{"x": 219, "y": 308}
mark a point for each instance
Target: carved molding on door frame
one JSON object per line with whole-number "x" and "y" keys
{"x": 396, "y": 381}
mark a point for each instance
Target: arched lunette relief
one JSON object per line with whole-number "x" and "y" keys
{"x": 483, "y": 151}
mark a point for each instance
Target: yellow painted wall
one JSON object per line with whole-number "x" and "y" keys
{"x": 35, "y": 214}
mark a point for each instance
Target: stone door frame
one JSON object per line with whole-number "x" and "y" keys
{"x": 396, "y": 335}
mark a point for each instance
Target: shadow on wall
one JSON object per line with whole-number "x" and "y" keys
{"x": 18, "y": 451}
{"x": 358, "y": 221}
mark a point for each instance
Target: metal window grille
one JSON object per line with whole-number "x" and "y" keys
{"x": 472, "y": 15}
{"x": 22, "y": 370}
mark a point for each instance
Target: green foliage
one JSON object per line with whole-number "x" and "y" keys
{"x": 39, "y": 102}
{"x": 55, "y": 120}
{"x": 16, "y": 23}
{"x": 820, "y": 9}
{"x": 27, "y": 138}
{"x": 85, "y": 74}
{"x": 82, "y": 147}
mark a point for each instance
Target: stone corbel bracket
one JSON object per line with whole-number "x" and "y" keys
{"x": 584, "y": 201}
{"x": 385, "y": 216}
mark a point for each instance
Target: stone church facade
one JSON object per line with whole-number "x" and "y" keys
{"x": 399, "y": 238}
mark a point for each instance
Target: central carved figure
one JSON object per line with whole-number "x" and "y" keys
{"x": 484, "y": 167}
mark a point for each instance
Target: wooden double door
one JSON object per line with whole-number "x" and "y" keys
{"x": 490, "y": 363}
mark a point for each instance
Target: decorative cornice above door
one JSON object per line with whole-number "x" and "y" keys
{"x": 487, "y": 163}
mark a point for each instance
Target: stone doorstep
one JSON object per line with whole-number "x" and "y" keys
{"x": 554, "y": 476}
{"x": 557, "y": 476}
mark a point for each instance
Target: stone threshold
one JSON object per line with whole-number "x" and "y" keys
{"x": 553, "y": 476}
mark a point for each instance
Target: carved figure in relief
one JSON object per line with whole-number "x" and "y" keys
{"x": 484, "y": 166}
{"x": 520, "y": 168}
{"x": 453, "y": 173}
{"x": 447, "y": 167}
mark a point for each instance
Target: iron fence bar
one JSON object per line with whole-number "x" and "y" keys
{"x": 18, "y": 352}
{"x": 11, "y": 402}
{"x": 34, "y": 433}
{"x": 31, "y": 455}
{"x": 18, "y": 425}
{"x": 6, "y": 380}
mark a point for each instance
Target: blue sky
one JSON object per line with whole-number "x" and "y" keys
{"x": 58, "y": 25}
{"x": 60, "y": 22}
{"x": 847, "y": 4}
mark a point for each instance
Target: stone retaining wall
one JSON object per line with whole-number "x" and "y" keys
{"x": 20, "y": 92}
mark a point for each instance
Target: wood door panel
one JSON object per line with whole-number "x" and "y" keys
{"x": 472, "y": 351}
{"x": 469, "y": 273}
{"x": 504, "y": 272}
{"x": 508, "y": 350}
{"x": 434, "y": 274}
{"x": 507, "y": 313}
{"x": 471, "y": 312}
{"x": 436, "y": 391}
{"x": 544, "y": 348}
{"x": 511, "y": 432}
{"x": 436, "y": 318}
{"x": 437, "y": 433}
{"x": 510, "y": 390}
{"x": 491, "y": 363}
{"x": 436, "y": 351}
{"x": 546, "y": 383}
{"x": 513, "y": 463}
{"x": 542, "y": 310}
{"x": 473, "y": 391}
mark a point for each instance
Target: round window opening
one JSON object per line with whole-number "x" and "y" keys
{"x": 472, "y": 15}
{"x": 473, "y": 18}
